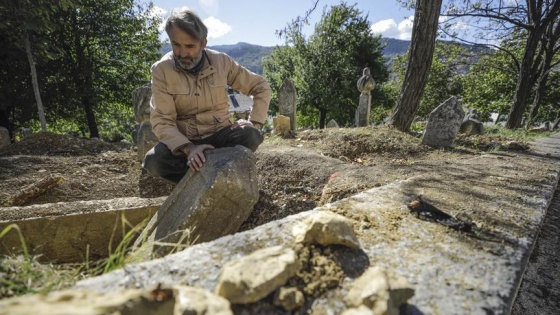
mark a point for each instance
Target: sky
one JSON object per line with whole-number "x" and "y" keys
{"x": 256, "y": 21}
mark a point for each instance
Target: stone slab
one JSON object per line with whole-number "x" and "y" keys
{"x": 68, "y": 232}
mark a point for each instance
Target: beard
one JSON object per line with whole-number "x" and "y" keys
{"x": 188, "y": 63}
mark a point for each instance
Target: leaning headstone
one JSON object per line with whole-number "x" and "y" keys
{"x": 204, "y": 205}
{"x": 287, "y": 102}
{"x": 281, "y": 125}
{"x": 143, "y": 136}
{"x": 4, "y": 137}
{"x": 365, "y": 85}
{"x": 443, "y": 124}
{"x": 145, "y": 139}
{"x": 332, "y": 124}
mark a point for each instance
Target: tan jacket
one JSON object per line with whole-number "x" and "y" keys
{"x": 185, "y": 107}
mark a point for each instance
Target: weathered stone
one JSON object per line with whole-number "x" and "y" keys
{"x": 365, "y": 85}
{"x": 4, "y": 137}
{"x": 471, "y": 127}
{"x": 380, "y": 289}
{"x": 208, "y": 204}
{"x": 252, "y": 277}
{"x": 326, "y": 228}
{"x": 176, "y": 300}
{"x": 443, "y": 124}
{"x": 360, "y": 310}
{"x": 146, "y": 139}
{"x": 289, "y": 298}
{"x": 287, "y": 98}
{"x": 281, "y": 125}
{"x": 332, "y": 124}
{"x": 72, "y": 231}
{"x": 141, "y": 102}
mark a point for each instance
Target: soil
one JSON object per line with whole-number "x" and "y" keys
{"x": 296, "y": 173}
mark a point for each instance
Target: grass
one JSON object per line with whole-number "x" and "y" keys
{"x": 24, "y": 274}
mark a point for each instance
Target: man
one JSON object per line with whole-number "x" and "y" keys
{"x": 189, "y": 105}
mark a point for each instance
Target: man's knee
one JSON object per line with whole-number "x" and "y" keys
{"x": 254, "y": 138}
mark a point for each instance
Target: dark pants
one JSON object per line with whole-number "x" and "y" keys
{"x": 160, "y": 162}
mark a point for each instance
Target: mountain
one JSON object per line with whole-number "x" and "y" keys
{"x": 248, "y": 55}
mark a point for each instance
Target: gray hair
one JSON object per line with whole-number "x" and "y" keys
{"x": 187, "y": 21}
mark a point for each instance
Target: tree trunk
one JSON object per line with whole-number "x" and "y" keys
{"x": 90, "y": 116}
{"x": 322, "y": 118}
{"x": 35, "y": 83}
{"x": 539, "y": 94}
{"x": 421, "y": 52}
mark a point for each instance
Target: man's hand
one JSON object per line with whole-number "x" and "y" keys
{"x": 195, "y": 155}
{"x": 240, "y": 123}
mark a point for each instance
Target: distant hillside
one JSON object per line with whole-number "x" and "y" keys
{"x": 250, "y": 56}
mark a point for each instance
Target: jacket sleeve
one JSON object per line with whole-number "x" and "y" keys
{"x": 163, "y": 114}
{"x": 252, "y": 84}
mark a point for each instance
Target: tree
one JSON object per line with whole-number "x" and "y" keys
{"x": 23, "y": 22}
{"x": 422, "y": 45}
{"x": 505, "y": 17}
{"x": 326, "y": 66}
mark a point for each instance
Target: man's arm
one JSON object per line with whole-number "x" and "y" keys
{"x": 163, "y": 115}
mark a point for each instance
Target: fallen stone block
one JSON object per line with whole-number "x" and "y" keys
{"x": 205, "y": 205}
{"x": 327, "y": 228}
{"x": 176, "y": 300}
{"x": 380, "y": 289}
{"x": 252, "y": 277}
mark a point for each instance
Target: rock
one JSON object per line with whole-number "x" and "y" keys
{"x": 360, "y": 310}
{"x": 471, "y": 127}
{"x": 326, "y": 228}
{"x": 141, "y": 102}
{"x": 443, "y": 124}
{"x": 205, "y": 205}
{"x": 289, "y": 298}
{"x": 176, "y": 300}
{"x": 281, "y": 125}
{"x": 380, "y": 289}
{"x": 253, "y": 277}
{"x": 287, "y": 98}
{"x": 517, "y": 146}
{"x": 332, "y": 124}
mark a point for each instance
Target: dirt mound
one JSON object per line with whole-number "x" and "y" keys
{"x": 52, "y": 144}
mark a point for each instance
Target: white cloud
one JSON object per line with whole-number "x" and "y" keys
{"x": 162, "y": 14}
{"x": 216, "y": 28}
{"x": 210, "y": 7}
{"x": 390, "y": 28}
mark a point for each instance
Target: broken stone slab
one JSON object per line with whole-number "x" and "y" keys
{"x": 380, "y": 289}
{"x": 73, "y": 231}
{"x": 4, "y": 137}
{"x": 327, "y": 228}
{"x": 205, "y": 205}
{"x": 176, "y": 300}
{"x": 250, "y": 278}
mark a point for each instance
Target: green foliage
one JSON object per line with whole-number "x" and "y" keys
{"x": 443, "y": 81}
{"x": 325, "y": 67}
{"x": 98, "y": 52}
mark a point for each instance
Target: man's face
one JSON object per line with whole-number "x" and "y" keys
{"x": 187, "y": 49}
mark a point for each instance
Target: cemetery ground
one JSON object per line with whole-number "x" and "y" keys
{"x": 295, "y": 174}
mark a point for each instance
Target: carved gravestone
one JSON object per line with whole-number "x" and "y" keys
{"x": 443, "y": 124}
{"x": 144, "y": 137}
{"x": 287, "y": 102}
{"x": 208, "y": 204}
{"x": 365, "y": 85}
{"x": 4, "y": 137}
